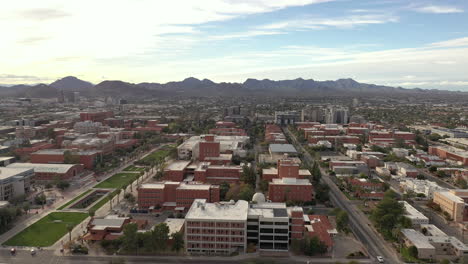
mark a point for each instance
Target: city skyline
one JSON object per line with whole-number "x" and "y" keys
{"x": 399, "y": 43}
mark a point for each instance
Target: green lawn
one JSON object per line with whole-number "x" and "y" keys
{"x": 47, "y": 230}
{"x": 157, "y": 155}
{"x": 118, "y": 180}
{"x": 133, "y": 168}
{"x": 74, "y": 199}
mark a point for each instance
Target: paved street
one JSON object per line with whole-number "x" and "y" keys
{"x": 359, "y": 223}
{"x": 47, "y": 257}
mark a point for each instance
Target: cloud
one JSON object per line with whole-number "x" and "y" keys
{"x": 338, "y": 22}
{"x": 435, "y": 9}
{"x": 458, "y": 42}
{"x": 42, "y": 14}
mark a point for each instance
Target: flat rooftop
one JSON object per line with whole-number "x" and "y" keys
{"x": 282, "y": 148}
{"x": 179, "y": 165}
{"x": 61, "y": 151}
{"x": 412, "y": 212}
{"x": 6, "y": 173}
{"x": 43, "y": 167}
{"x": 228, "y": 211}
{"x": 291, "y": 181}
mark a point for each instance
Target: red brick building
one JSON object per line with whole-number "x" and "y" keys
{"x": 174, "y": 195}
{"x": 208, "y": 148}
{"x": 289, "y": 183}
{"x": 87, "y": 158}
{"x": 450, "y": 153}
{"x": 96, "y": 116}
{"x": 205, "y": 172}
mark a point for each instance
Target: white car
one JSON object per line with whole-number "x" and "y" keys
{"x": 380, "y": 259}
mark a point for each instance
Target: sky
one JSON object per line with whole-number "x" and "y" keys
{"x": 408, "y": 43}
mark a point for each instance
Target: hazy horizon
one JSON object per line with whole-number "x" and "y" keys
{"x": 420, "y": 43}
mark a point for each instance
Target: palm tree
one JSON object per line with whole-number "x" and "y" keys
{"x": 118, "y": 194}
{"x": 69, "y": 228}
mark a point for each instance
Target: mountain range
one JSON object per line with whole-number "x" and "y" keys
{"x": 195, "y": 87}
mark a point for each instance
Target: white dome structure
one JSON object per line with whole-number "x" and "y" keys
{"x": 258, "y": 198}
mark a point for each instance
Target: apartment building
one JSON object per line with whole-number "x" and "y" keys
{"x": 416, "y": 217}
{"x": 433, "y": 244}
{"x": 454, "y": 202}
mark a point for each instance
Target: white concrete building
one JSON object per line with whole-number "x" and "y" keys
{"x": 416, "y": 217}
{"x": 14, "y": 182}
{"x": 421, "y": 186}
{"x": 432, "y": 243}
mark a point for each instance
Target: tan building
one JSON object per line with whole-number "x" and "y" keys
{"x": 454, "y": 202}
{"x": 433, "y": 243}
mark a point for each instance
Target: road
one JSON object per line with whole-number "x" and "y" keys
{"x": 47, "y": 257}
{"x": 358, "y": 222}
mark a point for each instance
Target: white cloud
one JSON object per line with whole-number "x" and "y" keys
{"x": 458, "y": 42}
{"x": 436, "y": 9}
{"x": 338, "y": 22}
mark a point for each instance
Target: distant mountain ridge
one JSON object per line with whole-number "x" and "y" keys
{"x": 194, "y": 87}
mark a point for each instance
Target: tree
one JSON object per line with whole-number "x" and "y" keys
{"x": 91, "y": 212}
{"x": 460, "y": 182}
{"x": 178, "y": 241}
{"x": 359, "y": 147}
{"x": 388, "y": 215}
{"x": 413, "y": 251}
{"x": 160, "y": 236}
{"x": 432, "y": 168}
{"x": 223, "y": 190}
{"x": 62, "y": 185}
{"x": 322, "y": 193}
{"x": 129, "y": 238}
{"x": 129, "y": 197}
{"x": 316, "y": 173}
{"x": 69, "y": 228}
{"x": 263, "y": 186}
{"x": 40, "y": 199}
{"x": 26, "y": 207}
{"x": 249, "y": 176}
{"x": 342, "y": 221}
{"x": 246, "y": 192}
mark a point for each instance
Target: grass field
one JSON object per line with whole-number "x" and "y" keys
{"x": 47, "y": 230}
{"x": 118, "y": 180}
{"x": 74, "y": 199}
{"x": 133, "y": 168}
{"x": 157, "y": 155}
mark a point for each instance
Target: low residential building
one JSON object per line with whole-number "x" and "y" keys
{"x": 51, "y": 172}
{"x": 110, "y": 227}
{"x": 432, "y": 243}
{"x": 14, "y": 182}
{"x": 178, "y": 196}
{"x": 421, "y": 186}
{"x": 320, "y": 226}
{"x": 406, "y": 170}
{"x": 416, "y": 217}
{"x": 454, "y": 202}
{"x": 348, "y": 167}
